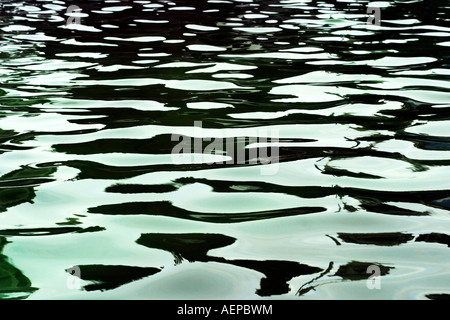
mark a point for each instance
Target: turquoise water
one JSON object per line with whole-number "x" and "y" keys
{"x": 332, "y": 149}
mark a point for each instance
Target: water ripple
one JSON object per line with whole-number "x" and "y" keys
{"x": 95, "y": 98}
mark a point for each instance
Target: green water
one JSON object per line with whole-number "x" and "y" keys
{"x": 331, "y": 154}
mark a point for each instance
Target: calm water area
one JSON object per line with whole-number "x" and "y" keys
{"x": 224, "y": 149}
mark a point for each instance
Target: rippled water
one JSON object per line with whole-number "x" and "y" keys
{"x": 360, "y": 176}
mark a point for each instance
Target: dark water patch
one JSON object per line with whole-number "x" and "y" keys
{"x": 95, "y": 170}
{"x": 16, "y": 139}
{"x": 48, "y": 231}
{"x": 442, "y": 203}
{"x": 435, "y": 237}
{"x": 379, "y": 239}
{"x": 13, "y": 283}
{"x": 144, "y": 146}
{"x": 277, "y": 274}
{"x": 108, "y": 277}
{"x": 297, "y": 153}
{"x": 163, "y": 144}
{"x": 189, "y": 246}
{"x": 24, "y": 182}
{"x": 427, "y": 142}
{"x": 140, "y": 188}
{"x": 166, "y": 208}
{"x": 370, "y": 199}
{"x": 10, "y": 197}
{"x": 71, "y": 221}
{"x": 438, "y": 296}
{"x": 346, "y": 173}
{"x": 374, "y": 198}
{"x": 26, "y": 172}
{"x": 5, "y": 134}
{"x": 17, "y": 186}
{"x": 5, "y": 147}
{"x": 90, "y": 229}
{"x": 375, "y": 206}
{"x": 391, "y": 238}
{"x": 357, "y": 270}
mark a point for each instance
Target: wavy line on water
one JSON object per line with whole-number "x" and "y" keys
{"x": 165, "y": 208}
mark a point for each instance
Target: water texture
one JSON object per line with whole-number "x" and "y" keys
{"x": 93, "y": 103}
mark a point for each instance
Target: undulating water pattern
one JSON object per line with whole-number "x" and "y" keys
{"x": 93, "y": 102}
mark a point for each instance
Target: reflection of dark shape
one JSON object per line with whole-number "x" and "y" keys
{"x": 167, "y": 209}
{"x": 5, "y": 135}
{"x": 165, "y": 144}
{"x": 195, "y": 247}
{"x": 435, "y": 237}
{"x": 352, "y": 271}
{"x": 47, "y": 231}
{"x": 142, "y": 146}
{"x": 14, "y": 196}
{"x": 13, "y": 283}
{"x": 106, "y": 277}
{"x": 427, "y": 142}
{"x": 25, "y": 175}
{"x": 388, "y": 209}
{"x": 192, "y": 246}
{"x": 346, "y": 173}
{"x": 17, "y": 187}
{"x": 305, "y": 288}
{"x": 277, "y": 273}
{"x": 391, "y": 238}
{"x": 438, "y": 296}
{"x": 140, "y": 188}
{"x": 356, "y": 270}
{"x": 379, "y": 239}
{"x": 297, "y": 153}
{"x": 443, "y": 203}
{"x": 242, "y": 155}
{"x": 371, "y": 200}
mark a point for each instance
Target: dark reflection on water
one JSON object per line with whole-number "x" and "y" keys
{"x": 47, "y": 231}
{"x": 13, "y": 283}
{"x": 381, "y": 239}
{"x": 91, "y": 112}
{"x": 195, "y": 247}
{"x": 352, "y": 271}
{"x": 167, "y": 209}
{"x": 106, "y": 277}
{"x": 17, "y": 186}
{"x": 438, "y": 296}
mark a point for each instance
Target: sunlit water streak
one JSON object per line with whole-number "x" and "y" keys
{"x": 88, "y": 183}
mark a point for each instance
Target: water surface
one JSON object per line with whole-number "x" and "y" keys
{"x": 89, "y": 187}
